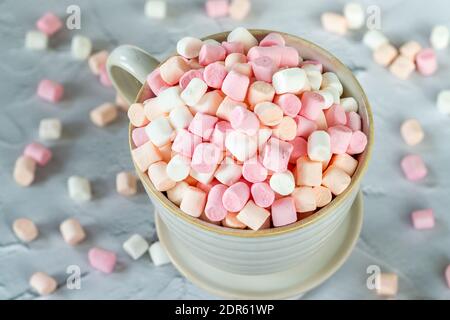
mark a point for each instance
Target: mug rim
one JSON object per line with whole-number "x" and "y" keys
{"x": 319, "y": 214}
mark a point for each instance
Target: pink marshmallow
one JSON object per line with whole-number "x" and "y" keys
{"x": 38, "y": 153}
{"x": 289, "y": 103}
{"x": 289, "y": 57}
{"x": 104, "y": 77}
{"x": 185, "y": 143}
{"x": 214, "y": 209}
{"x": 358, "y": 143}
{"x": 206, "y": 157}
{"x": 299, "y": 149}
{"x": 340, "y": 137}
{"x": 447, "y": 275}
{"x": 216, "y": 8}
{"x": 272, "y": 39}
{"x": 243, "y": 120}
{"x": 236, "y": 196}
{"x": 305, "y": 126}
{"x": 233, "y": 47}
{"x": 219, "y": 133}
{"x": 263, "y": 68}
{"x": 253, "y": 171}
{"x": 353, "y": 120}
{"x": 274, "y": 53}
{"x": 102, "y": 260}
{"x": 188, "y": 76}
{"x": 423, "y": 219}
{"x": 139, "y": 136}
{"x": 235, "y": 85}
{"x": 49, "y": 24}
{"x": 50, "y": 90}
{"x": 276, "y": 154}
{"x": 156, "y": 83}
{"x": 283, "y": 212}
{"x": 262, "y": 194}
{"x": 210, "y": 53}
{"x": 413, "y": 167}
{"x": 214, "y": 74}
{"x": 335, "y": 115}
{"x": 312, "y": 104}
{"x": 426, "y": 61}
{"x": 203, "y": 125}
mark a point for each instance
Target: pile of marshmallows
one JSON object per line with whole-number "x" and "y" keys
{"x": 245, "y": 134}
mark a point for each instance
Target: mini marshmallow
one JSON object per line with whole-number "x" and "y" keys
{"x": 189, "y": 47}
{"x": 226, "y": 106}
{"x": 357, "y": 143}
{"x": 413, "y": 167}
{"x": 139, "y": 136}
{"x": 159, "y": 131}
{"x": 216, "y": 8}
{"x": 286, "y": 130}
{"x": 220, "y": 131}
{"x": 235, "y": 85}
{"x": 49, "y": 24}
{"x": 236, "y": 196}
{"x": 313, "y": 75}
{"x": 185, "y": 143}
{"x": 447, "y": 275}
{"x": 97, "y": 61}
{"x": 239, "y": 9}
{"x": 25, "y": 229}
{"x": 308, "y": 173}
{"x": 289, "y": 103}
{"x": 241, "y": 145}
{"x": 304, "y": 199}
{"x": 268, "y": 113}
{"x": 155, "y": 9}
{"x": 312, "y": 105}
{"x": 244, "y": 120}
{"x": 189, "y": 75}
{"x": 156, "y": 83}
{"x": 144, "y": 155}
{"x": 173, "y": 69}
{"x": 204, "y": 178}
{"x": 166, "y": 152}
{"x": 276, "y": 154}
{"x": 260, "y": 91}
{"x": 136, "y": 115}
{"x": 272, "y": 39}
{"x": 305, "y": 126}
{"x": 233, "y": 47}
{"x": 262, "y": 194}
{"x": 263, "y": 68}
{"x": 345, "y": 162}
{"x": 443, "y": 101}
{"x": 319, "y": 146}
{"x": 24, "y": 171}
{"x": 168, "y": 99}
{"x": 50, "y": 129}
{"x": 336, "y": 180}
{"x": 242, "y": 35}
{"x": 328, "y": 96}
{"x": 426, "y": 62}
{"x": 410, "y": 49}
{"x": 423, "y": 219}
{"x": 135, "y": 246}
{"x": 38, "y": 153}
{"x": 412, "y": 132}
{"x": 209, "y": 103}
{"x": 385, "y": 54}
{"x": 104, "y": 114}
{"x": 322, "y": 195}
{"x": 340, "y": 137}
{"x": 282, "y": 183}
{"x": 81, "y": 47}
{"x": 231, "y": 221}
{"x": 354, "y": 121}
{"x": 253, "y": 171}
{"x": 234, "y": 58}
{"x": 321, "y": 121}
{"x": 439, "y": 37}
{"x": 374, "y": 38}
{"x": 104, "y": 77}
{"x": 386, "y": 284}
{"x": 214, "y": 209}
{"x": 210, "y": 53}
{"x": 205, "y": 158}
{"x": 36, "y": 40}
{"x": 300, "y": 149}
{"x": 229, "y": 172}
{"x": 50, "y": 91}
{"x": 157, "y": 172}
{"x": 214, "y": 74}
{"x": 354, "y": 14}
{"x": 291, "y": 80}
{"x": 72, "y": 231}
{"x": 349, "y": 104}
{"x": 42, "y": 283}
{"x": 283, "y": 212}
{"x": 253, "y": 216}
{"x": 102, "y": 260}
{"x": 194, "y": 201}
{"x": 126, "y": 183}
{"x": 330, "y": 79}
{"x": 194, "y": 91}
{"x": 158, "y": 254}
{"x": 402, "y": 67}
{"x": 176, "y": 194}
{"x": 180, "y": 117}
{"x": 335, "y": 23}
{"x": 203, "y": 125}
{"x": 79, "y": 188}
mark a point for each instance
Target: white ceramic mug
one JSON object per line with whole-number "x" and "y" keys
{"x": 247, "y": 251}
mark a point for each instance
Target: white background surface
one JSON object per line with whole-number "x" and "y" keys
{"x": 387, "y": 239}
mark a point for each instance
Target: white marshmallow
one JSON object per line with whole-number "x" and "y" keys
{"x": 135, "y": 246}
{"x": 155, "y": 9}
{"x": 204, "y": 178}
{"x": 330, "y": 79}
{"x": 282, "y": 183}
{"x": 176, "y": 194}
{"x": 334, "y": 93}
{"x": 169, "y": 99}
{"x": 291, "y": 80}
{"x": 228, "y": 172}
{"x": 189, "y": 47}
{"x": 36, "y": 40}
{"x": 81, "y": 47}
{"x": 50, "y": 129}
{"x": 178, "y": 168}
{"x": 241, "y": 145}
{"x": 439, "y": 37}
{"x": 242, "y": 35}
{"x": 354, "y": 14}
{"x": 263, "y": 135}
{"x": 314, "y": 76}
{"x": 180, "y": 117}
{"x": 79, "y": 188}
{"x": 374, "y": 38}
{"x": 158, "y": 254}
{"x": 349, "y": 104}
{"x": 328, "y": 98}
{"x": 194, "y": 91}
{"x": 319, "y": 146}
{"x": 159, "y": 131}
{"x": 443, "y": 101}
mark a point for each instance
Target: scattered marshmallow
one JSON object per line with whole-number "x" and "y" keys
{"x": 39, "y": 153}
{"x": 97, "y": 61}
{"x": 443, "y": 101}
{"x": 412, "y": 132}
{"x": 155, "y": 9}
{"x": 216, "y": 8}
{"x": 102, "y": 260}
{"x": 104, "y": 114}
{"x": 81, "y": 47}
{"x": 402, "y": 67}
{"x": 423, "y": 219}
{"x": 385, "y": 54}
{"x": 387, "y": 284}
{"x": 135, "y": 246}
{"x": 36, "y": 40}
{"x": 413, "y": 167}
{"x": 354, "y": 14}
{"x": 50, "y": 129}
{"x": 50, "y": 90}
{"x": 24, "y": 171}
{"x": 374, "y": 39}
{"x": 239, "y": 9}
{"x": 72, "y": 231}
{"x": 334, "y": 23}
{"x": 410, "y": 49}
{"x": 158, "y": 254}
{"x": 79, "y": 188}
{"x": 49, "y": 24}
{"x": 42, "y": 283}
{"x": 439, "y": 37}
{"x": 25, "y": 229}
{"x": 426, "y": 61}
{"x": 126, "y": 183}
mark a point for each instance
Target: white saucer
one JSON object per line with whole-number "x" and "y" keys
{"x": 280, "y": 285}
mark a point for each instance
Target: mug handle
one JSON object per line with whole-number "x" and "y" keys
{"x": 128, "y": 67}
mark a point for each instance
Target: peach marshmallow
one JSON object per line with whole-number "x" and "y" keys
{"x": 24, "y": 171}
{"x": 387, "y": 284}
{"x": 104, "y": 114}
{"x": 25, "y": 229}
{"x": 126, "y": 183}
{"x": 253, "y": 216}
{"x": 193, "y": 202}
{"x": 72, "y": 231}
{"x": 42, "y": 283}
{"x": 157, "y": 172}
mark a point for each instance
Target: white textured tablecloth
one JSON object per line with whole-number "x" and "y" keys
{"x": 387, "y": 239}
